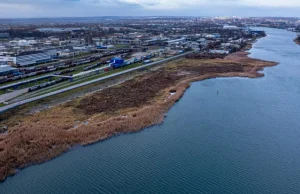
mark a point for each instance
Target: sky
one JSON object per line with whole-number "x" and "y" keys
{"x": 85, "y": 8}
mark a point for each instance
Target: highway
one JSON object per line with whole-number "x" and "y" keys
{"x": 16, "y": 104}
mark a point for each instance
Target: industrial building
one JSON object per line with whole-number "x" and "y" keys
{"x": 176, "y": 41}
{"x": 59, "y": 30}
{"x": 8, "y": 60}
{"x": 155, "y": 41}
{"x": 33, "y": 59}
{"x": 6, "y": 69}
{"x": 229, "y": 27}
{"x": 29, "y": 58}
{"x": 4, "y": 35}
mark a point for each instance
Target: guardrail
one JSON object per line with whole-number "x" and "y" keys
{"x": 16, "y": 104}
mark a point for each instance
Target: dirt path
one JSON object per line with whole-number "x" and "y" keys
{"x": 11, "y": 95}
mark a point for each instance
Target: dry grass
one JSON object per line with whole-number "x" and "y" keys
{"x": 128, "y": 107}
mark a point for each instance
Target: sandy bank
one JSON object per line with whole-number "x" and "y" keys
{"x": 128, "y": 107}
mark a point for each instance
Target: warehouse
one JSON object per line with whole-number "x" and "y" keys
{"x": 4, "y": 35}
{"x": 6, "y": 69}
{"x": 176, "y": 41}
{"x": 155, "y": 41}
{"x": 8, "y": 60}
{"x": 33, "y": 59}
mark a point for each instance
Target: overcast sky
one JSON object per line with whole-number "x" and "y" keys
{"x": 79, "y": 8}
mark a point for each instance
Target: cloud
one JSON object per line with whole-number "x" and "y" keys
{"x": 57, "y": 8}
{"x": 165, "y": 4}
{"x": 170, "y": 4}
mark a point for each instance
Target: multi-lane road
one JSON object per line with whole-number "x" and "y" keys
{"x": 16, "y": 104}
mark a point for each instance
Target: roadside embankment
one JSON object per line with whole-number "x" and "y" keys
{"x": 127, "y": 107}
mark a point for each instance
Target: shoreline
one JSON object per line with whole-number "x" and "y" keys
{"x": 128, "y": 107}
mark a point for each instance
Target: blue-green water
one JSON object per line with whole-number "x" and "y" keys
{"x": 245, "y": 139}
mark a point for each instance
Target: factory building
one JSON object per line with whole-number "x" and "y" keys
{"x": 8, "y": 60}
{"x": 155, "y": 41}
{"x": 6, "y": 69}
{"x": 27, "y": 60}
{"x": 4, "y": 35}
{"x": 127, "y": 41}
{"x": 176, "y": 41}
{"x": 213, "y": 36}
{"x": 33, "y": 59}
{"x": 229, "y": 27}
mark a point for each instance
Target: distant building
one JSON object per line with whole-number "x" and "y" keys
{"x": 155, "y": 41}
{"x": 80, "y": 48}
{"x": 176, "y": 41}
{"x": 230, "y": 27}
{"x": 6, "y": 69}
{"x": 3, "y": 48}
{"x": 8, "y": 59}
{"x": 127, "y": 41}
{"x": 3, "y": 63}
{"x": 33, "y": 59}
{"x": 213, "y": 36}
{"x": 4, "y": 35}
{"x": 58, "y": 30}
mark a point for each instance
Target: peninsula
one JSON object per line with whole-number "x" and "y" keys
{"x": 124, "y": 108}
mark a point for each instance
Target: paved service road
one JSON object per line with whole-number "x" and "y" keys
{"x": 11, "y": 95}
{"x": 16, "y": 104}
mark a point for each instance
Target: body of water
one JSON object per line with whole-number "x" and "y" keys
{"x": 245, "y": 138}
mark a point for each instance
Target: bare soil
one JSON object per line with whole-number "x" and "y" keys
{"x": 133, "y": 93}
{"x": 128, "y": 107}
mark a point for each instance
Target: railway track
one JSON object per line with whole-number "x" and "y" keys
{"x": 16, "y": 104}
